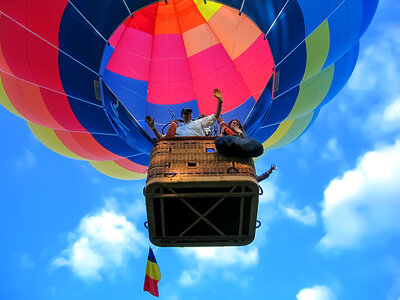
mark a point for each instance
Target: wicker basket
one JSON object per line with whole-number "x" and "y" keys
{"x": 198, "y": 197}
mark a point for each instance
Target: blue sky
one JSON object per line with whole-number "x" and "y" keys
{"x": 330, "y": 214}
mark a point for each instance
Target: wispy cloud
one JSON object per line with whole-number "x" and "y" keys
{"x": 306, "y": 215}
{"x": 391, "y": 268}
{"x": 52, "y": 291}
{"x": 332, "y": 150}
{"x": 238, "y": 278}
{"x": 378, "y": 65}
{"x": 305, "y": 145}
{"x": 317, "y": 292}
{"x": 26, "y": 261}
{"x": 189, "y": 278}
{"x": 270, "y": 191}
{"x": 133, "y": 210}
{"x": 121, "y": 190}
{"x": 364, "y": 202}
{"x": 26, "y": 161}
{"x": 103, "y": 242}
{"x": 216, "y": 257}
{"x": 373, "y": 88}
{"x": 136, "y": 210}
{"x": 373, "y": 85}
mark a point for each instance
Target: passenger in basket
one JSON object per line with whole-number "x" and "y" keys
{"x": 235, "y": 128}
{"x": 189, "y": 127}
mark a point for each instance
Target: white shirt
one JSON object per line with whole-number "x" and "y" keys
{"x": 195, "y": 127}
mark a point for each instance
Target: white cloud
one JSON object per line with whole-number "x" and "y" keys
{"x": 385, "y": 120}
{"x": 392, "y": 113}
{"x": 305, "y": 215}
{"x": 364, "y": 202}
{"x": 316, "y": 292}
{"x": 27, "y": 161}
{"x": 103, "y": 242}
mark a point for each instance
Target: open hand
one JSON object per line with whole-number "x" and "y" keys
{"x": 218, "y": 95}
{"x": 149, "y": 121}
{"x": 273, "y": 167}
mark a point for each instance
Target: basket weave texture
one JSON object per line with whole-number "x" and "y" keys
{"x": 194, "y": 157}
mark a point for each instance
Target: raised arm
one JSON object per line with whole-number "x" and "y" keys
{"x": 266, "y": 174}
{"x": 218, "y": 95}
{"x": 150, "y": 122}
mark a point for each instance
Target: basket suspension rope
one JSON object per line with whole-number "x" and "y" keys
{"x": 337, "y": 7}
{"x": 58, "y": 49}
{"x": 276, "y": 19}
{"x": 87, "y": 21}
{"x": 127, "y": 7}
{"x": 241, "y": 7}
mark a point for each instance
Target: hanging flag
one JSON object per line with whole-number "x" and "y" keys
{"x": 153, "y": 275}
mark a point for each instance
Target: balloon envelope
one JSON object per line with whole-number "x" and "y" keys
{"x": 85, "y": 73}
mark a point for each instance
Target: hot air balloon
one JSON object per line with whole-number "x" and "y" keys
{"x": 84, "y": 73}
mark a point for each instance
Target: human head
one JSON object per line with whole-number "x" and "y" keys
{"x": 186, "y": 114}
{"x": 236, "y": 123}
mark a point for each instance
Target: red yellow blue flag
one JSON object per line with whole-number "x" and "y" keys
{"x": 153, "y": 275}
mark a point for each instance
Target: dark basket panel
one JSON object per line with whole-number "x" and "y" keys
{"x": 202, "y": 213}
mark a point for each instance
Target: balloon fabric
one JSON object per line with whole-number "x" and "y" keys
{"x": 85, "y": 73}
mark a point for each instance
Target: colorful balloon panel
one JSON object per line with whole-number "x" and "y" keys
{"x": 85, "y": 73}
{"x": 187, "y": 55}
